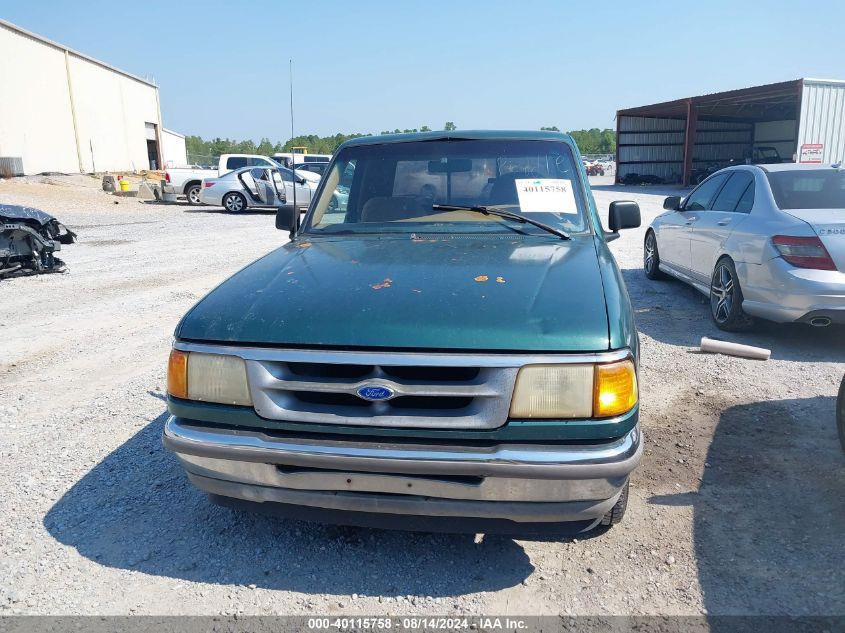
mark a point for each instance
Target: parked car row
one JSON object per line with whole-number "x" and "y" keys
{"x": 599, "y": 166}
{"x": 267, "y": 188}
{"x": 289, "y": 159}
{"x": 188, "y": 181}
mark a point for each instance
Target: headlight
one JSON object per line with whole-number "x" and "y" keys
{"x": 553, "y": 391}
{"x": 208, "y": 377}
{"x": 574, "y": 391}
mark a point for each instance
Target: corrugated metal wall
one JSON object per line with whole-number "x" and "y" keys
{"x": 732, "y": 126}
{"x": 778, "y": 134}
{"x": 655, "y": 146}
{"x": 650, "y": 146}
{"x": 823, "y": 117}
{"x": 720, "y": 142}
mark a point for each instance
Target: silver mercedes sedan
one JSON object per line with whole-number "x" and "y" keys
{"x": 763, "y": 241}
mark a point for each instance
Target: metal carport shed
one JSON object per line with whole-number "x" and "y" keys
{"x": 680, "y": 141}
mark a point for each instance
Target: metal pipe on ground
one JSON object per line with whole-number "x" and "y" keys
{"x": 714, "y": 346}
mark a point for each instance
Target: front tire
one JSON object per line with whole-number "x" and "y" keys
{"x": 192, "y": 193}
{"x": 651, "y": 257}
{"x": 615, "y": 514}
{"x": 840, "y": 414}
{"x": 234, "y": 202}
{"x": 726, "y": 298}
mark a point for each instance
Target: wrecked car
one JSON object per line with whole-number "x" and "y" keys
{"x": 459, "y": 358}
{"x": 28, "y": 240}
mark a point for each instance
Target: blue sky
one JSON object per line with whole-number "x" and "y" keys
{"x": 371, "y": 65}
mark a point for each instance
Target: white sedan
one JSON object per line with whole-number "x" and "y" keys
{"x": 258, "y": 187}
{"x": 763, "y": 241}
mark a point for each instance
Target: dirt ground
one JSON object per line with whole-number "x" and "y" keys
{"x": 736, "y": 509}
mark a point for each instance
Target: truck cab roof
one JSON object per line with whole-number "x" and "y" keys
{"x": 444, "y": 135}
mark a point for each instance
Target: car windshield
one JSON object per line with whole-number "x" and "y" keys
{"x": 395, "y": 187}
{"x": 808, "y": 189}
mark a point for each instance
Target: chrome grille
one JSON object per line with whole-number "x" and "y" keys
{"x": 432, "y": 389}
{"x": 424, "y": 396}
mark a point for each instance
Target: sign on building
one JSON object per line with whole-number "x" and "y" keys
{"x": 811, "y": 153}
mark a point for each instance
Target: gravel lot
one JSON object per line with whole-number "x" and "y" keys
{"x": 737, "y": 507}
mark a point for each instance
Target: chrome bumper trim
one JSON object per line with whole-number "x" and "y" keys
{"x": 438, "y": 486}
{"x": 591, "y": 461}
{"x": 520, "y": 512}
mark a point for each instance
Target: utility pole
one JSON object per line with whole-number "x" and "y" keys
{"x": 292, "y": 154}
{"x": 290, "y": 75}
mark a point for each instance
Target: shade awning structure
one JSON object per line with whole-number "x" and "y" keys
{"x": 772, "y": 102}
{"x": 673, "y": 141}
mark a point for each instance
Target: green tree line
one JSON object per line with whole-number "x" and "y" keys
{"x": 594, "y": 141}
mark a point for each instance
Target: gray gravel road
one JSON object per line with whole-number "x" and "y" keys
{"x": 737, "y": 507}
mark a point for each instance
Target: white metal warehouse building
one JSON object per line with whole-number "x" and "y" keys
{"x": 801, "y": 120}
{"x": 62, "y": 111}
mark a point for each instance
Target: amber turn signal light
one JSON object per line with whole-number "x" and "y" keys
{"x": 615, "y": 390}
{"x": 177, "y": 374}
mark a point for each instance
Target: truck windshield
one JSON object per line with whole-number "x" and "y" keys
{"x": 808, "y": 188}
{"x": 408, "y": 187}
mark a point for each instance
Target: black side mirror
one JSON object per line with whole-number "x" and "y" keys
{"x": 624, "y": 214}
{"x": 287, "y": 219}
{"x": 672, "y": 203}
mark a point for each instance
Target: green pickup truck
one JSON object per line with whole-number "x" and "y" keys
{"x": 449, "y": 347}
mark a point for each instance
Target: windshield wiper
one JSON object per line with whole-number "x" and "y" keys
{"x": 504, "y": 214}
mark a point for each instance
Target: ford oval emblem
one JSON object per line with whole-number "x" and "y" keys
{"x": 374, "y": 393}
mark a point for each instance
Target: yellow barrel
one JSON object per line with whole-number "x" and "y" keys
{"x": 124, "y": 184}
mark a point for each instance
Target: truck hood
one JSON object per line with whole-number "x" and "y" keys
{"x": 446, "y": 293}
{"x": 829, "y": 225}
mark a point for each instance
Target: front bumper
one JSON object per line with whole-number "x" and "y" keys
{"x": 513, "y": 482}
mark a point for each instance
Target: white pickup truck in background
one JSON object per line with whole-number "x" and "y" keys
{"x": 187, "y": 181}
{"x": 287, "y": 158}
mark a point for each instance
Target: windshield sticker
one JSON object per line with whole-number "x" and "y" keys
{"x": 546, "y": 195}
